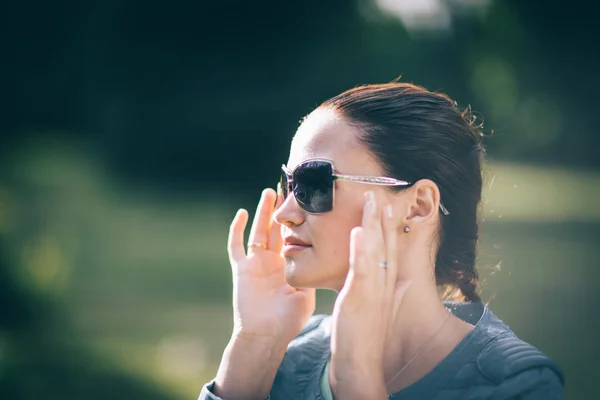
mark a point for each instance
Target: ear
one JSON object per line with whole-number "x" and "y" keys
{"x": 424, "y": 202}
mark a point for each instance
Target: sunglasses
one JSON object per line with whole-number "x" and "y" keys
{"x": 312, "y": 183}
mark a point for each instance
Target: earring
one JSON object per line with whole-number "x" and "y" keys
{"x": 406, "y": 229}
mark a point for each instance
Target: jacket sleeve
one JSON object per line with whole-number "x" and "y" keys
{"x": 207, "y": 392}
{"x": 540, "y": 383}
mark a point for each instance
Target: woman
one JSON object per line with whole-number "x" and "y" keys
{"x": 378, "y": 201}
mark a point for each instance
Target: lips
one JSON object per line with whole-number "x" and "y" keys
{"x": 293, "y": 243}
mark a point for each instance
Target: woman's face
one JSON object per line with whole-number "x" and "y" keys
{"x": 324, "y": 263}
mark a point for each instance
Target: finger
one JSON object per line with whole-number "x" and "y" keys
{"x": 390, "y": 233}
{"x": 260, "y": 225}
{"x": 275, "y": 238}
{"x": 373, "y": 239}
{"x": 357, "y": 264}
{"x": 235, "y": 241}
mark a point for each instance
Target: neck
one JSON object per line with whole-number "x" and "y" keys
{"x": 422, "y": 320}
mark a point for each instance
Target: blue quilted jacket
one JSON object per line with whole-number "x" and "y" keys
{"x": 489, "y": 363}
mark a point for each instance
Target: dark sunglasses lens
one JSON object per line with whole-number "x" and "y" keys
{"x": 313, "y": 186}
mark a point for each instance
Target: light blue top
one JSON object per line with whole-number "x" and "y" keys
{"x": 325, "y": 386}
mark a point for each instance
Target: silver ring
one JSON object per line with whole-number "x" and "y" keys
{"x": 257, "y": 244}
{"x": 382, "y": 264}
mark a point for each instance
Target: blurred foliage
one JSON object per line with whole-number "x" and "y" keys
{"x": 183, "y": 94}
{"x": 132, "y": 130}
{"x": 106, "y": 283}
{"x": 42, "y": 357}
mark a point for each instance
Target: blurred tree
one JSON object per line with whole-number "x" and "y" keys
{"x": 184, "y": 94}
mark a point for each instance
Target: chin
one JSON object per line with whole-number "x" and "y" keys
{"x": 296, "y": 275}
{"x": 312, "y": 275}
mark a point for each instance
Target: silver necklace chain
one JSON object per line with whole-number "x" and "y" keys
{"x": 420, "y": 349}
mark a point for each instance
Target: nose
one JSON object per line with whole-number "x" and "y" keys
{"x": 289, "y": 212}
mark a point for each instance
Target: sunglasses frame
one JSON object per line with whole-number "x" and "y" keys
{"x": 368, "y": 180}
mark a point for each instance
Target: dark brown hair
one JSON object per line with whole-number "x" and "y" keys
{"x": 417, "y": 134}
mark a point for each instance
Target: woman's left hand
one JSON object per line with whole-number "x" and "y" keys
{"x": 366, "y": 307}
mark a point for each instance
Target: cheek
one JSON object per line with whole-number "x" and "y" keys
{"x": 332, "y": 239}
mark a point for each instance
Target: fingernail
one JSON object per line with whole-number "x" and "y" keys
{"x": 371, "y": 196}
{"x": 371, "y": 205}
{"x": 388, "y": 210}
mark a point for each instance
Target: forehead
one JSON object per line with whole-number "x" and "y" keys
{"x": 327, "y": 134}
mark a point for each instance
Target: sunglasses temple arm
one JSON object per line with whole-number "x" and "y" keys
{"x": 380, "y": 181}
{"x": 371, "y": 180}
{"x": 444, "y": 209}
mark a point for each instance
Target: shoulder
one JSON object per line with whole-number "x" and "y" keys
{"x": 506, "y": 356}
{"x": 500, "y": 365}
{"x": 517, "y": 368}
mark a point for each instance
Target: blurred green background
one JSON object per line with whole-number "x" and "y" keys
{"x": 132, "y": 131}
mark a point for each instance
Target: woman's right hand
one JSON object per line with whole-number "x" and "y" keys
{"x": 264, "y": 305}
{"x": 267, "y": 312}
